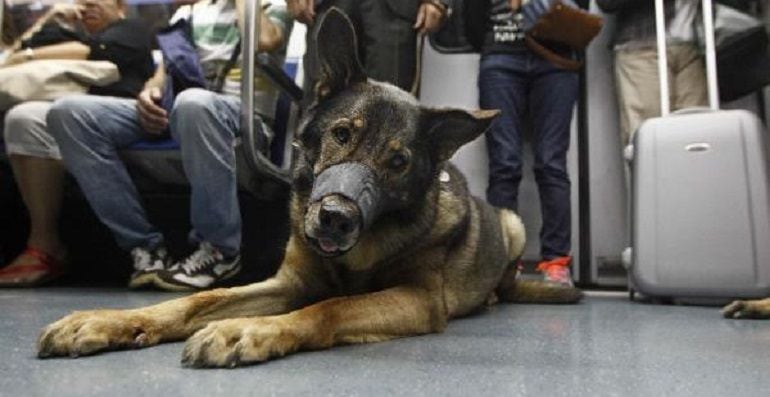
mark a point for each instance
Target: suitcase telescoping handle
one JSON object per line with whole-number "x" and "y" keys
{"x": 711, "y": 59}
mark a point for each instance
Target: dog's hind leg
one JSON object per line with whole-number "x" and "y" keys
{"x": 88, "y": 332}
{"x": 513, "y": 289}
{"x": 748, "y": 309}
{"x": 514, "y": 236}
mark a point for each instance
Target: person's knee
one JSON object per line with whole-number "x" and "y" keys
{"x": 63, "y": 113}
{"x": 19, "y": 120}
{"x": 192, "y": 102}
{"x": 197, "y": 116}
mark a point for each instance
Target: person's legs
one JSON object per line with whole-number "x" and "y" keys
{"x": 90, "y": 130}
{"x": 689, "y": 78}
{"x": 636, "y": 78}
{"x": 389, "y": 43}
{"x": 205, "y": 125}
{"x": 37, "y": 168}
{"x": 503, "y": 86}
{"x": 552, "y": 99}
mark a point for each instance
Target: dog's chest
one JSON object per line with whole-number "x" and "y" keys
{"x": 352, "y": 282}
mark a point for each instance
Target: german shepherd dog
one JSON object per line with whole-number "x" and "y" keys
{"x": 385, "y": 241}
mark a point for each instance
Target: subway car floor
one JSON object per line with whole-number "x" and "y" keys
{"x": 605, "y": 345}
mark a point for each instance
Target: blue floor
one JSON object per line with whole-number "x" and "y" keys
{"x": 604, "y": 346}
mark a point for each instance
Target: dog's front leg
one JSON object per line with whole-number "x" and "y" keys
{"x": 88, "y": 332}
{"x": 373, "y": 317}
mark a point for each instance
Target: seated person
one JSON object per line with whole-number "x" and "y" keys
{"x": 90, "y": 130}
{"x": 99, "y": 32}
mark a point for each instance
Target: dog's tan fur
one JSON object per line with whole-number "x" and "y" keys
{"x": 444, "y": 256}
{"x": 748, "y": 309}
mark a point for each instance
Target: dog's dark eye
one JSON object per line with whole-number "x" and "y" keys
{"x": 397, "y": 161}
{"x": 341, "y": 134}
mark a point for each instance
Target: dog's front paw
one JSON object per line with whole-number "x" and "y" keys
{"x": 747, "y": 309}
{"x": 84, "y": 333}
{"x": 231, "y": 343}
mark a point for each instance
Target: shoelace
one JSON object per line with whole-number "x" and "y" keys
{"x": 141, "y": 258}
{"x": 144, "y": 258}
{"x": 204, "y": 256}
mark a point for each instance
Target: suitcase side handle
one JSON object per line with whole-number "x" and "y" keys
{"x": 711, "y": 62}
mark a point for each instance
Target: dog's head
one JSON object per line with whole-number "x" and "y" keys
{"x": 367, "y": 149}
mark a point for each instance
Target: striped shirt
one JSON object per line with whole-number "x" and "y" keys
{"x": 215, "y": 33}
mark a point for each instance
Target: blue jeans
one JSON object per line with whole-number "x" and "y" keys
{"x": 523, "y": 84}
{"x": 91, "y": 129}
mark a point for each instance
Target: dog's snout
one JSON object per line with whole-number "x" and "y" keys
{"x": 337, "y": 216}
{"x": 333, "y": 224}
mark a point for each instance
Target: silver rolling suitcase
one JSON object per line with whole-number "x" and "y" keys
{"x": 700, "y": 197}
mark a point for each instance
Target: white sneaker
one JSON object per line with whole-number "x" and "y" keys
{"x": 147, "y": 263}
{"x": 202, "y": 269}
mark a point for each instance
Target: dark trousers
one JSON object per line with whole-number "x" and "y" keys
{"x": 523, "y": 84}
{"x": 386, "y": 40}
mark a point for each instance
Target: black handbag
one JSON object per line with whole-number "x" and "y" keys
{"x": 743, "y": 63}
{"x": 743, "y": 60}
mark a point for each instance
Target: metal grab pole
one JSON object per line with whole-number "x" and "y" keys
{"x": 2, "y": 13}
{"x": 249, "y": 43}
{"x": 660, "y": 30}
{"x": 711, "y": 54}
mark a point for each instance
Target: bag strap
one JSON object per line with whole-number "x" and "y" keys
{"x": 551, "y": 56}
{"x": 219, "y": 81}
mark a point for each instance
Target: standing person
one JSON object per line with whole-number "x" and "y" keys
{"x": 520, "y": 83}
{"x": 91, "y": 130}
{"x": 636, "y": 59}
{"x": 33, "y": 152}
{"x": 387, "y": 30}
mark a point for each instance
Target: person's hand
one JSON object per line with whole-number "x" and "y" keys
{"x": 15, "y": 58}
{"x": 429, "y": 18}
{"x": 66, "y": 12}
{"x": 152, "y": 117}
{"x": 302, "y": 10}
{"x": 515, "y": 5}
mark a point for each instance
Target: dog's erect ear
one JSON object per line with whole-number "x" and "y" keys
{"x": 449, "y": 129}
{"x": 337, "y": 50}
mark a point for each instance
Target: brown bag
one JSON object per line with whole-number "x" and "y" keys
{"x": 566, "y": 25}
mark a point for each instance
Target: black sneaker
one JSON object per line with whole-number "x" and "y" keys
{"x": 147, "y": 263}
{"x": 202, "y": 269}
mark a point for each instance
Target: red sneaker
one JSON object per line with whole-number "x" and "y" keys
{"x": 37, "y": 268}
{"x": 557, "y": 271}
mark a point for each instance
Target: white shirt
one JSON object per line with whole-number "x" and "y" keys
{"x": 682, "y": 26}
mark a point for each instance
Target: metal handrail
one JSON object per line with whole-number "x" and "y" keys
{"x": 254, "y": 145}
{"x": 2, "y": 13}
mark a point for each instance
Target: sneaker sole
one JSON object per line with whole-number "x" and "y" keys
{"x": 143, "y": 281}
{"x": 174, "y": 287}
